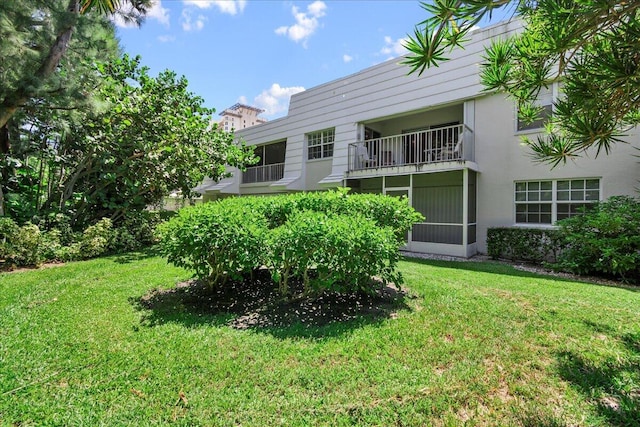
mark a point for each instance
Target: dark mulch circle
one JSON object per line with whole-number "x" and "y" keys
{"x": 256, "y": 303}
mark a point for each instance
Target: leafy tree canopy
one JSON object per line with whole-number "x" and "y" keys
{"x": 147, "y": 137}
{"x": 36, "y": 35}
{"x": 592, "y": 47}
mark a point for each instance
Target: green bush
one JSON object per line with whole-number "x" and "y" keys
{"x": 327, "y": 240}
{"x": 137, "y": 231}
{"x": 61, "y": 223}
{"x": 535, "y": 245}
{"x": 96, "y": 240}
{"x": 385, "y": 211}
{"x": 215, "y": 240}
{"x": 29, "y": 245}
{"x": 293, "y": 248}
{"x": 353, "y": 250}
{"x": 8, "y": 233}
{"x": 604, "y": 240}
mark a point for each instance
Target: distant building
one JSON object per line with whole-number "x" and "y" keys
{"x": 240, "y": 116}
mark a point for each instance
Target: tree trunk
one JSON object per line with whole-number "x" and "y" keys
{"x": 23, "y": 92}
{"x": 4, "y": 151}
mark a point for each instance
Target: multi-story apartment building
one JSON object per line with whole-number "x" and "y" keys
{"x": 452, "y": 149}
{"x": 240, "y": 116}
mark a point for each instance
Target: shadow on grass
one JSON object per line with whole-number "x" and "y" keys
{"x": 130, "y": 257}
{"x": 502, "y": 268}
{"x": 538, "y": 417}
{"x": 612, "y": 384}
{"x": 255, "y": 304}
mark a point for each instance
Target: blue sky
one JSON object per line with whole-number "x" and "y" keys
{"x": 262, "y": 52}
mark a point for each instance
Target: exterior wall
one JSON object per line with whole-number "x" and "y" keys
{"x": 422, "y": 120}
{"x": 502, "y": 159}
{"x": 374, "y": 96}
{"x": 386, "y": 99}
{"x": 315, "y": 171}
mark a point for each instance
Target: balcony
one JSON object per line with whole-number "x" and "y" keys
{"x": 266, "y": 173}
{"x": 444, "y": 144}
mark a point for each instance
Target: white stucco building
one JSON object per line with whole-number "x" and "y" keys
{"x": 452, "y": 149}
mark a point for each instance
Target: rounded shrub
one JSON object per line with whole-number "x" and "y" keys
{"x": 604, "y": 240}
{"x": 326, "y": 240}
{"x": 332, "y": 252}
{"x": 215, "y": 240}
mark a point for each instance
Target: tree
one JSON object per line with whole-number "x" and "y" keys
{"x": 35, "y": 90}
{"x": 150, "y": 136}
{"x": 40, "y": 34}
{"x": 592, "y": 47}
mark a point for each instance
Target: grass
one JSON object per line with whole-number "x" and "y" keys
{"x": 477, "y": 344}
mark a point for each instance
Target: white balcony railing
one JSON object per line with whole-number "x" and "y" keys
{"x": 266, "y": 173}
{"x": 451, "y": 143}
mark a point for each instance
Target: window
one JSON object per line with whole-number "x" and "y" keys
{"x": 320, "y": 144}
{"x": 545, "y": 202}
{"x": 544, "y": 100}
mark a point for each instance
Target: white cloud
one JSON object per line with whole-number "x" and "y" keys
{"x": 393, "y": 47}
{"x": 156, "y": 12}
{"x": 166, "y": 38}
{"x": 274, "y": 100}
{"x": 306, "y": 22}
{"x": 189, "y": 24}
{"x": 231, "y": 7}
{"x": 347, "y": 58}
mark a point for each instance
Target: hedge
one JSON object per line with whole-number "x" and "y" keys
{"x": 536, "y": 245}
{"x": 326, "y": 240}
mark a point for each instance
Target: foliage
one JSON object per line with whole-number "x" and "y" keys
{"x": 44, "y": 88}
{"x": 95, "y": 239}
{"x": 535, "y": 245}
{"x": 604, "y": 240}
{"x": 138, "y": 230}
{"x": 337, "y": 253}
{"x": 295, "y": 248}
{"x": 384, "y": 211}
{"x": 29, "y": 245}
{"x": 327, "y": 240}
{"x": 86, "y": 133}
{"x": 150, "y": 137}
{"x": 215, "y": 240}
{"x": 38, "y": 37}
{"x": 590, "y": 46}
{"x": 26, "y": 245}
{"x": 8, "y": 232}
{"x": 353, "y": 250}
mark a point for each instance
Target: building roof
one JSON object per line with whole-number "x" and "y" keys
{"x": 245, "y": 106}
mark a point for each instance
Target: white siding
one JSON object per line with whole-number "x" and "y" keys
{"x": 503, "y": 160}
{"x": 387, "y": 99}
{"x": 381, "y": 91}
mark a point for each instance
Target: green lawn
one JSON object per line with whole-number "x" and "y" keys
{"x": 477, "y": 344}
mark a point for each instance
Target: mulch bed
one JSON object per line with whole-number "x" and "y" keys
{"x": 256, "y": 303}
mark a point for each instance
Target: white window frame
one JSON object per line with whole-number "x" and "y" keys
{"x": 557, "y": 201}
{"x": 544, "y": 99}
{"x": 322, "y": 139}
